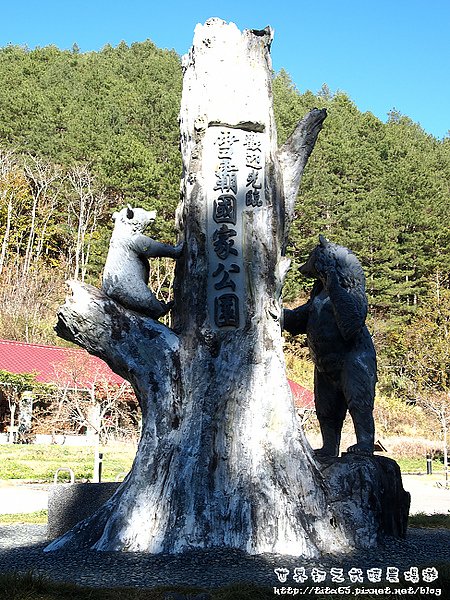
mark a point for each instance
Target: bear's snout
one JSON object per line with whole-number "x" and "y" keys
{"x": 309, "y": 268}
{"x": 304, "y": 269}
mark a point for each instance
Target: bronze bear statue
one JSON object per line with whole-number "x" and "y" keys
{"x": 127, "y": 268}
{"x": 340, "y": 345}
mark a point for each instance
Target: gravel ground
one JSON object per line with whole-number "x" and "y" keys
{"x": 21, "y": 550}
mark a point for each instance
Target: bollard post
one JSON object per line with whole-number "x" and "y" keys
{"x": 429, "y": 464}
{"x": 100, "y": 466}
{"x": 98, "y": 463}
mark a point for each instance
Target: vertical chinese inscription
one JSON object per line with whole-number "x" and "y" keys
{"x": 234, "y": 172}
{"x": 254, "y": 162}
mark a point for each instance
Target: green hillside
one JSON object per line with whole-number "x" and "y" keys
{"x": 82, "y": 134}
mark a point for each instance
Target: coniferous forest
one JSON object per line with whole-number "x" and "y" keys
{"x": 82, "y": 134}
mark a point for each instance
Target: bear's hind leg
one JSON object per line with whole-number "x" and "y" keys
{"x": 365, "y": 431}
{"x": 145, "y": 302}
{"x": 331, "y": 409}
{"x": 157, "y": 309}
{"x": 359, "y": 390}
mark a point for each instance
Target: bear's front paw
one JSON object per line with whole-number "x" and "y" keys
{"x": 178, "y": 250}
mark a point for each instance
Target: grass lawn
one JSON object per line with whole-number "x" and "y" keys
{"x": 418, "y": 465}
{"x": 429, "y": 521}
{"x": 39, "y": 517}
{"x": 39, "y": 463}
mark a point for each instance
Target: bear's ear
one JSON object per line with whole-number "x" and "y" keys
{"x": 323, "y": 241}
{"x": 130, "y": 213}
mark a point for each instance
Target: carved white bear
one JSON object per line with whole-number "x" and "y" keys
{"x": 126, "y": 272}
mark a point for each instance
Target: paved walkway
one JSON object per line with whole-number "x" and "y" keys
{"x": 22, "y": 498}
{"x": 426, "y": 496}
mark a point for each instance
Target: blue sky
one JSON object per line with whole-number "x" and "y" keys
{"x": 384, "y": 53}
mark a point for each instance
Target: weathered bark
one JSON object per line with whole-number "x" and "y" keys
{"x": 222, "y": 460}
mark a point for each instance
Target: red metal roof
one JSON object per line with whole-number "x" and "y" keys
{"x": 76, "y": 368}
{"x": 303, "y": 398}
{"x": 52, "y": 364}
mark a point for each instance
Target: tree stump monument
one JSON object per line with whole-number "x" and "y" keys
{"x": 222, "y": 460}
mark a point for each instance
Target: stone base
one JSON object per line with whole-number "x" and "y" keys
{"x": 70, "y": 503}
{"x": 367, "y": 493}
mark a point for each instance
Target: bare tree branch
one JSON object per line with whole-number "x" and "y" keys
{"x": 294, "y": 154}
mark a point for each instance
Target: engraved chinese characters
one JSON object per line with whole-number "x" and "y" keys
{"x": 235, "y": 184}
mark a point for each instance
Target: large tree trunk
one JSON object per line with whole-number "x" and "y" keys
{"x": 222, "y": 460}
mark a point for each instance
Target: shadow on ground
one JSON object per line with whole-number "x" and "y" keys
{"x": 21, "y": 552}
